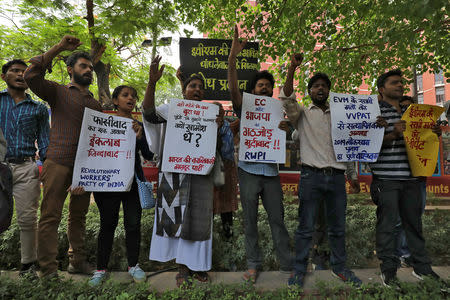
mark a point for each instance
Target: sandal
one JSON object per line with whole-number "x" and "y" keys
{"x": 200, "y": 276}
{"x": 183, "y": 279}
{"x": 250, "y": 276}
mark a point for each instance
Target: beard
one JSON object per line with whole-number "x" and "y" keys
{"x": 82, "y": 80}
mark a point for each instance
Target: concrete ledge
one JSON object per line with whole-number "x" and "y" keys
{"x": 267, "y": 281}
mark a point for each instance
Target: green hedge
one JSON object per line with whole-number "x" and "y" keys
{"x": 230, "y": 255}
{"x": 27, "y": 290}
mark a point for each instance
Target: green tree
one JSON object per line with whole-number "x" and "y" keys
{"x": 352, "y": 40}
{"x": 112, "y": 31}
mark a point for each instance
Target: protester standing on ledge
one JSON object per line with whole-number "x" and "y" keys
{"x": 67, "y": 103}
{"x": 108, "y": 203}
{"x": 394, "y": 190}
{"x": 322, "y": 177}
{"x": 258, "y": 180}
{"x": 23, "y": 122}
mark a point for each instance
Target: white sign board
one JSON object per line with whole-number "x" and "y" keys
{"x": 105, "y": 154}
{"x": 356, "y": 137}
{"x": 261, "y": 139}
{"x": 191, "y": 136}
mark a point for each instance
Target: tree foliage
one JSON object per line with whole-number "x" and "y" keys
{"x": 112, "y": 31}
{"x": 349, "y": 40}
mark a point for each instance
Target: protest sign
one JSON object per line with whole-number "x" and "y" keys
{"x": 105, "y": 154}
{"x": 356, "y": 137}
{"x": 208, "y": 58}
{"x": 261, "y": 140}
{"x": 422, "y": 145}
{"x": 191, "y": 135}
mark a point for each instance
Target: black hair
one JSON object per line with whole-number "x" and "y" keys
{"x": 383, "y": 77}
{"x": 318, "y": 76}
{"x": 118, "y": 89}
{"x": 8, "y": 65}
{"x": 261, "y": 75}
{"x": 73, "y": 58}
{"x": 193, "y": 77}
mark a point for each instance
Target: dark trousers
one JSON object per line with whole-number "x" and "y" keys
{"x": 269, "y": 189}
{"x": 316, "y": 186}
{"x": 394, "y": 198}
{"x": 109, "y": 205}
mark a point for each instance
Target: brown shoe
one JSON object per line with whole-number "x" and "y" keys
{"x": 83, "y": 268}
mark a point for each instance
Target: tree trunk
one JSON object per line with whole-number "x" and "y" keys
{"x": 104, "y": 95}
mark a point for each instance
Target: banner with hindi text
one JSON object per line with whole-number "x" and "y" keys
{"x": 208, "y": 58}
{"x": 422, "y": 145}
{"x": 105, "y": 156}
{"x": 191, "y": 136}
{"x": 356, "y": 137}
{"x": 260, "y": 138}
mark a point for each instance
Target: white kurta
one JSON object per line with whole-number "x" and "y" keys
{"x": 196, "y": 255}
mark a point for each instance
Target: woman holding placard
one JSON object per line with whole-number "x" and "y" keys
{"x": 108, "y": 203}
{"x": 183, "y": 214}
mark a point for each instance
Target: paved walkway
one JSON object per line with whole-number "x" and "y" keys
{"x": 266, "y": 281}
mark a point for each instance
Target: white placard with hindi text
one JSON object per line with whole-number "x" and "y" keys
{"x": 105, "y": 154}
{"x": 356, "y": 137}
{"x": 191, "y": 136}
{"x": 260, "y": 138}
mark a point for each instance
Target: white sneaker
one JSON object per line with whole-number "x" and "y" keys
{"x": 98, "y": 277}
{"x": 137, "y": 273}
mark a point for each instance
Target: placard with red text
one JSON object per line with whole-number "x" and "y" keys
{"x": 105, "y": 154}
{"x": 191, "y": 136}
{"x": 260, "y": 138}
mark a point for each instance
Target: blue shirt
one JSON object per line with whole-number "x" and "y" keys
{"x": 23, "y": 124}
{"x": 227, "y": 150}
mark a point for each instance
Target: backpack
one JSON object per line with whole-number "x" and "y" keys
{"x": 6, "y": 196}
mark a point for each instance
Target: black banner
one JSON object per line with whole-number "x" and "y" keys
{"x": 208, "y": 58}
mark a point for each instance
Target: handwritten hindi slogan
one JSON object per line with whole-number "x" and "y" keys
{"x": 356, "y": 137}
{"x": 422, "y": 145}
{"x": 208, "y": 58}
{"x": 105, "y": 154}
{"x": 260, "y": 138}
{"x": 191, "y": 135}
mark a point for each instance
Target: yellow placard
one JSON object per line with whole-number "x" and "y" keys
{"x": 422, "y": 145}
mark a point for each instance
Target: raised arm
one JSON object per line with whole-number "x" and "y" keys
{"x": 236, "y": 48}
{"x": 155, "y": 74}
{"x": 35, "y": 73}
{"x": 296, "y": 60}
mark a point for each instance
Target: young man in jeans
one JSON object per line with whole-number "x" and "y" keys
{"x": 394, "y": 190}
{"x": 322, "y": 177}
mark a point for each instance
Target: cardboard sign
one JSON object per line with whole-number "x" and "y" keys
{"x": 191, "y": 136}
{"x": 261, "y": 140}
{"x": 356, "y": 137}
{"x": 208, "y": 58}
{"x": 105, "y": 154}
{"x": 422, "y": 145}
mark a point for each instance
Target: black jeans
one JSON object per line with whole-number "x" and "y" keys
{"x": 109, "y": 205}
{"x": 314, "y": 187}
{"x": 394, "y": 198}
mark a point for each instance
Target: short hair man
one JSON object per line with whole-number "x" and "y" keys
{"x": 23, "y": 122}
{"x": 322, "y": 177}
{"x": 394, "y": 190}
{"x": 67, "y": 103}
{"x": 258, "y": 180}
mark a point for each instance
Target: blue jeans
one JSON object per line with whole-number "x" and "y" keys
{"x": 313, "y": 187}
{"x": 402, "y": 247}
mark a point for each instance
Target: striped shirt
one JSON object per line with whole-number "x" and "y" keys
{"x": 67, "y": 105}
{"x": 23, "y": 124}
{"x": 392, "y": 161}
